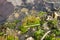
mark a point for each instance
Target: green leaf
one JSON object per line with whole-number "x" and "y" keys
{"x": 16, "y": 21}
{"x": 38, "y": 32}
{"x": 57, "y": 32}
{"x": 41, "y": 13}
{"x": 23, "y": 29}
{"x": 54, "y": 21}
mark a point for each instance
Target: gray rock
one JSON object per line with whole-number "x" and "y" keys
{"x": 30, "y": 38}
{"x": 6, "y": 9}
{"x": 30, "y": 1}
{"x": 2, "y": 2}
{"x": 15, "y": 2}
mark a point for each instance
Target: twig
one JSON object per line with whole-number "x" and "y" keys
{"x": 32, "y": 25}
{"x": 45, "y": 34}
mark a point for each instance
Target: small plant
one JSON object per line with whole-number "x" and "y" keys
{"x": 51, "y": 37}
{"x": 12, "y": 24}
{"x": 56, "y": 32}
{"x": 28, "y": 22}
{"x": 52, "y": 23}
{"x": 10, "y": 37}
{"x": 16, "y": 21}
{"x": 38, "y": 34}
{"x": 23, "y": 29}
{"x": 42, "y": 14}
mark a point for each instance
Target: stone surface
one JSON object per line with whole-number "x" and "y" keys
{"x": 29, "y": 38}
{"x": 2, "y": 1}
{"x": 6, "y": 9}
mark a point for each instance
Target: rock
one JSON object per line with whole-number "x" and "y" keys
{"x": 19, "y": 32}
{"x": 30, "y": 1}
{"x": 2, "y": 1}
{"x": 10, "y": 18}
{"x": 30, "y": 38}
{"x": 6, "y": 10}
{"x": 16, "y": 15}
{"x": 15, "y": 2}
{"x": 49, "y": 17}
{"x": 21, "y": 37}
{"x": 2, "y": 20}
{"x": 45, "y": 26}
{"x": 24, "y": 10}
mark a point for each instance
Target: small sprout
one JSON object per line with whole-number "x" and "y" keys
{"x": 52, "y": 24}
{"x": 41, "y": 13}
{"x": 54, "y": 21}
{"x": 38, "y": 34}
{"x": 23, "y": 29}
{"x": 30, "y": 20}
{"x": 10, "y": 37}
{"x": 16, "y": 21}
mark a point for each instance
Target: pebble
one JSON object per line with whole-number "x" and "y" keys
{"x": 30, "y": 38}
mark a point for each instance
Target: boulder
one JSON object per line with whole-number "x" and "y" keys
{"x": 6, "y": 9}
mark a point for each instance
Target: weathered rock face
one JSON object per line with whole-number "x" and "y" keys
{"x": 6, "y": 9}
{"x": 2, "y": 1}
